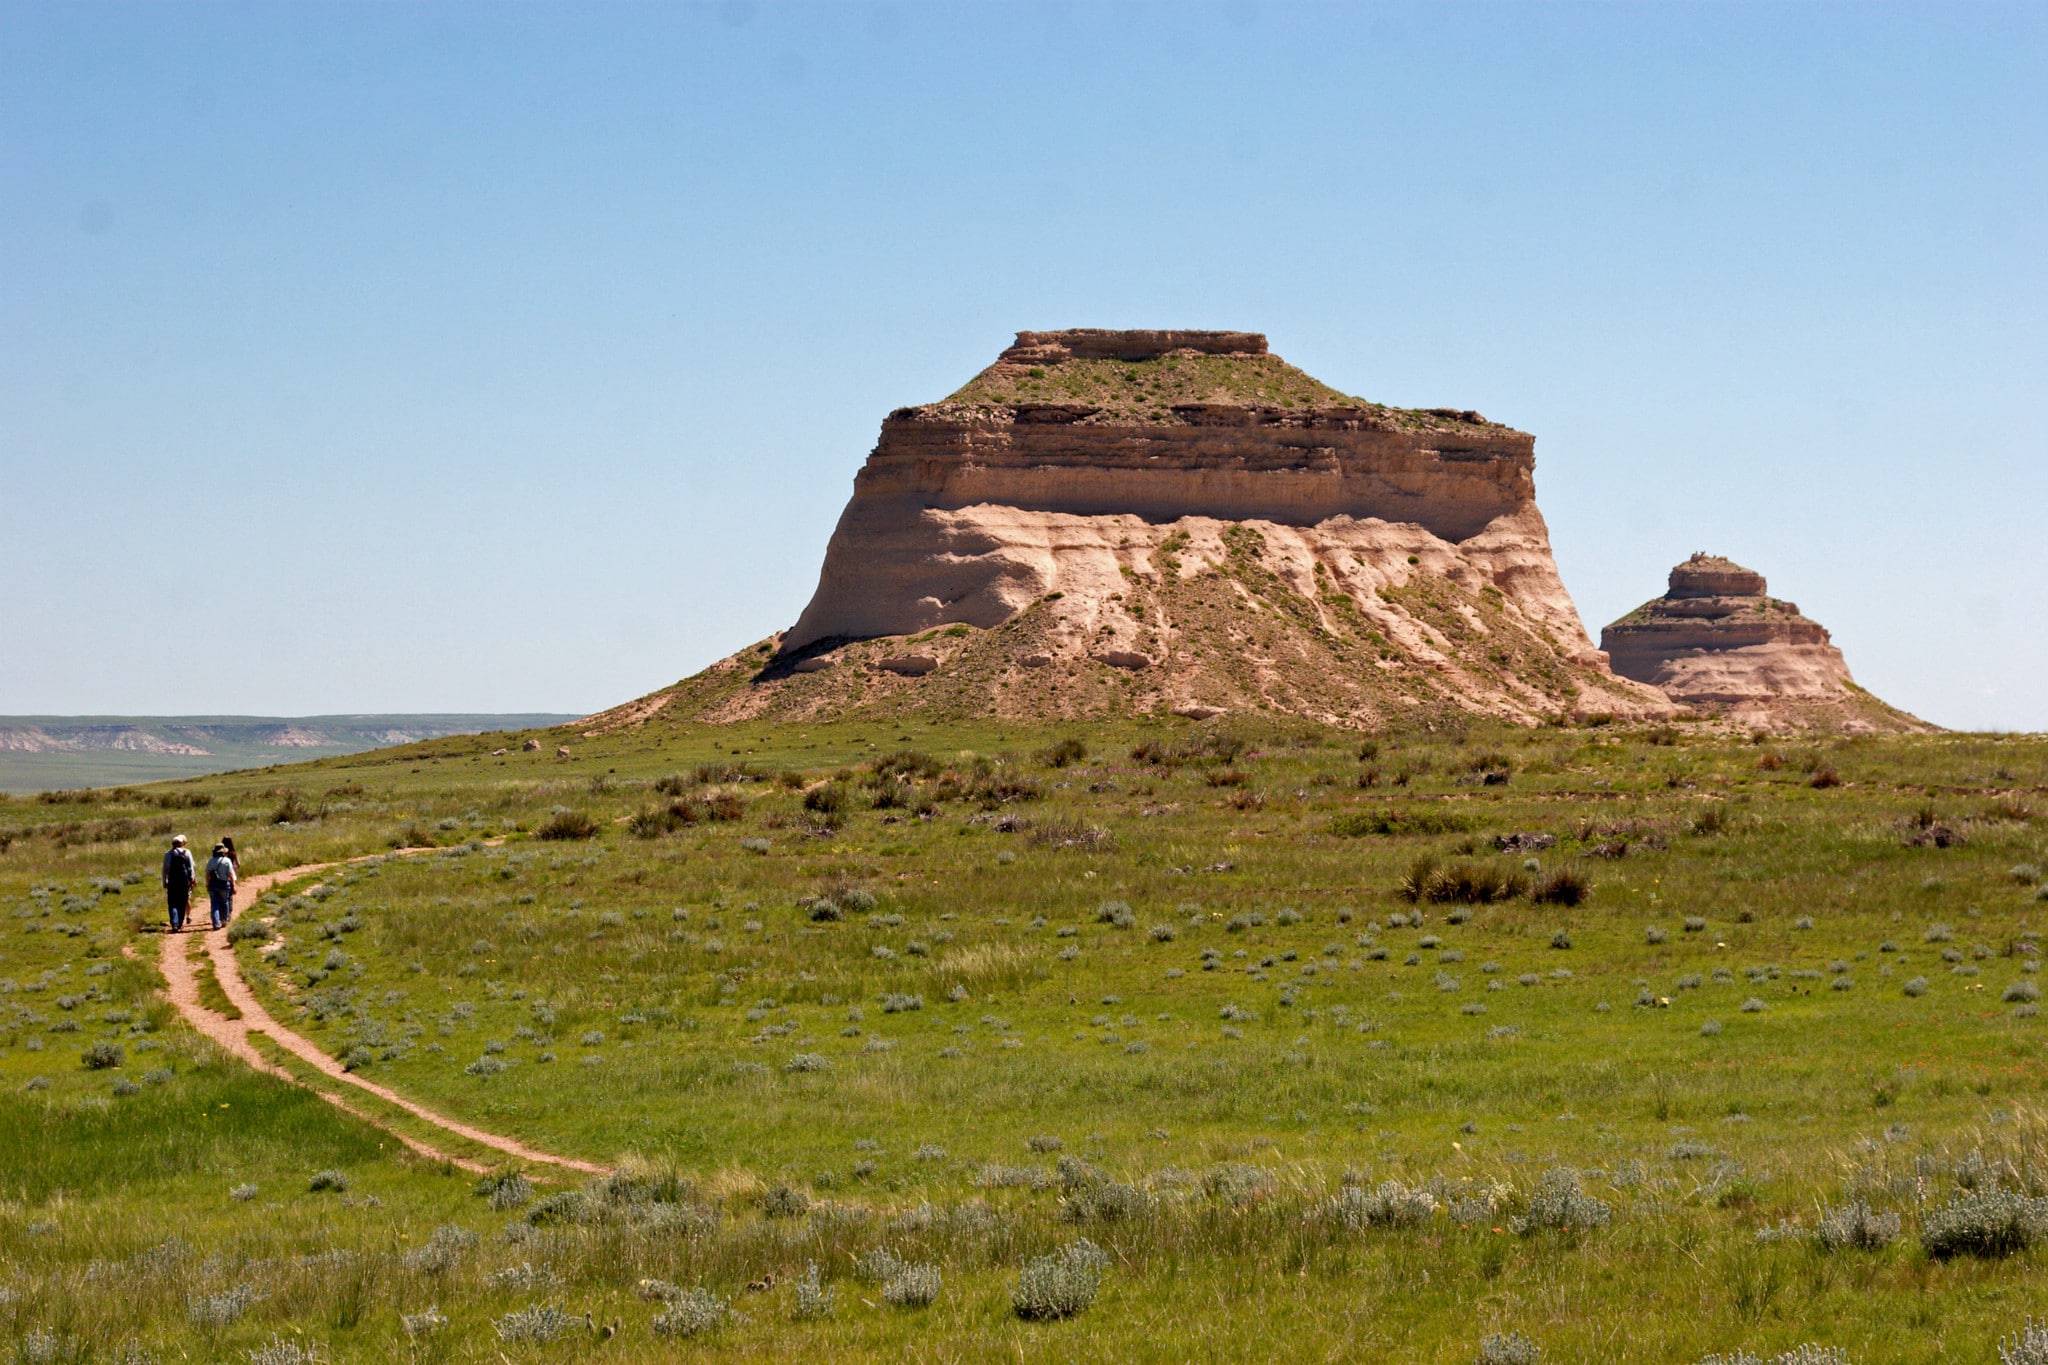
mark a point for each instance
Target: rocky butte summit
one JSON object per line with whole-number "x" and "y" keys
{"x": 1104, "y": 522}
{"x": 1717, "y": 642}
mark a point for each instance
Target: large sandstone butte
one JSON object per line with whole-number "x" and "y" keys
{"x": 1112, "y": 521}
{"x": 1716, "y": 641}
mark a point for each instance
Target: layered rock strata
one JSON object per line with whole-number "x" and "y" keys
{"x": 1716, "y": 640}
{"x": 1104, "y": 521}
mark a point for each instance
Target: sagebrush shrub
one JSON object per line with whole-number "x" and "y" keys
{"x": 877, "y": 1265}
{"x": 912, "y": 1286}
{"x": 1856, "y": 1226}
{"x": 506, "y": 1192}
{"x": 1508, "y": 1348}
{"x": 328, "y": 1180}
{"x": 282, "y": 1350}
{"x": 1061, "y": 1283}
{"x": 1392, "y": 1205}
{"x": 426, "y": 1322}
{"x": 1560, "y": 1205}
{"x": 814, "y": 1299}
{"x": 2028, "y": 1346}
{"x": 1107, "y": 1201}
{"x": 690, "y": 1314}
{"x": 223, "y": 1309}
{"x": 1984, "y": 1222}
{"x": 785, "y": 1202}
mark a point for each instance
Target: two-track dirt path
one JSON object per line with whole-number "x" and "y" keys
{"x": 233, "y": 1034}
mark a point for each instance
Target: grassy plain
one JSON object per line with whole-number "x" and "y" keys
{"x": 967, "y": 995}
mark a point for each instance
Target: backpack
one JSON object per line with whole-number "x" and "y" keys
{"x": 220, "y": 871}
{"x": 178, "y": 867}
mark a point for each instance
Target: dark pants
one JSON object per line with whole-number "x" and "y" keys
{"x": 180, "y": 897}
{"x": 223, "y": 898}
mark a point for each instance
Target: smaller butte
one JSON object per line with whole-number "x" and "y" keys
{"x": 1718, "y": 642}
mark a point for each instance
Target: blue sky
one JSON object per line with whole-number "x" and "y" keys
{"x": 418, "y": 357}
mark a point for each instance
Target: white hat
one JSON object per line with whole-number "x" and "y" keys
{"x": 177, "y": 838}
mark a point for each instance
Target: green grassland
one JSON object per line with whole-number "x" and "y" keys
{"x": 1269, "y": 1015}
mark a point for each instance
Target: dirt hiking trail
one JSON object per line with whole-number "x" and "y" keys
{"x": 233, "y": 1034}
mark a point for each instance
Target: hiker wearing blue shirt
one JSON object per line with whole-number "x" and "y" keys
{"x": 220, "y": 885}
{"x": 179, "y": 874}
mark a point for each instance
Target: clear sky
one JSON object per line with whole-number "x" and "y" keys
{"x": 471, "y": 357}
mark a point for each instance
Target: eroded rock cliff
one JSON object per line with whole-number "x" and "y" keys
{"x": 1717, "y": 641}
{"x": 1104, "y": 521}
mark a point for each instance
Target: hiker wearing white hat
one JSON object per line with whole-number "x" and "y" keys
{"x": 179, "y": 874}
{"x": 220, "y": 884}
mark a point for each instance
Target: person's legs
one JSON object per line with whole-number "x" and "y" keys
{"x": 177, "y": 902}
{"x": 221, "y": 905}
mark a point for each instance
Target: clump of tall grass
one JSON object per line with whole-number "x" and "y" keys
{"x": 1564, "y": 886}
{"x": 1462, "y": 881}
{"x": 1063, "y": 752}
{"x": 1059, "y": 1284}
{"x": 564, "y": 823}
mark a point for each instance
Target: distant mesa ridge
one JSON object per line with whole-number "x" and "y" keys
{"x": 1718, "y": 642}
{"x": 38, "y": 753}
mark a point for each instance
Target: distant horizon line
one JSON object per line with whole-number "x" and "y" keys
{"x": 85, "y": 717}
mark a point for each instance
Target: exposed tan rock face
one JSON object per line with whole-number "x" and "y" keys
{"x": 1104, "y": 521}
{"x": 1718, "y": 642}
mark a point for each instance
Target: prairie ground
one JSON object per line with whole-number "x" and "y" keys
{"x": 1624, "y": 1045}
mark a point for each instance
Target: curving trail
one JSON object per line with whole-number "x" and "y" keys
{"x": 233, "y": 1034}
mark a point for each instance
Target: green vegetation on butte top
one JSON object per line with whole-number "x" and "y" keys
{"x": 1146, "y": 388}
{"x": 1149, "y": 390}
{"x": 1138, "y": 1041}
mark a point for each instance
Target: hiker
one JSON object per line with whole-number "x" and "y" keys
{"x": 179, "y": 874}
{"x": 227, "y": 841}
{"x": 220, "y": 884}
